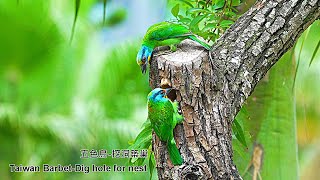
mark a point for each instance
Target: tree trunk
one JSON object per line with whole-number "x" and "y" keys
{"x": 212, "y": 86}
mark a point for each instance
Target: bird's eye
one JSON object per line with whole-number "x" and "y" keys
{"x": 144, "y": 59}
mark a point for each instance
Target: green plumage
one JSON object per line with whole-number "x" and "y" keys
{"x": 163, "y": 34}
{"x": 166, "y": 33}
{"x": 164, "y": 116}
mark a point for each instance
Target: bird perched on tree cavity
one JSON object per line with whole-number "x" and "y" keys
{"x": 163, "y": 34}
{"x": 163, "y": 115}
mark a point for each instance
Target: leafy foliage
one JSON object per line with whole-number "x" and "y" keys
{"x": 206, "y": 18}
{"x": 237, "y": 126}
{"x": 306, "y": 33}
{"x": 42, "y": 116}
{"x": 306, "y": 36}
{"x": 272, "y": 113}
{"x": 273, "y": 123}
{"x": 315, "y": 52}
{"x": 144, "y": 141}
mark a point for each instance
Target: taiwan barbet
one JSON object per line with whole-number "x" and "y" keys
{"x": 163, "y": 34}
{"x": 164, "y": 116}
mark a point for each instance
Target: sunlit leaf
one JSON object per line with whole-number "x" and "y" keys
{"x": 231, "y": 14}
{"x": 272, "y": 123}
{"x": 142, "y": 141}
{"x": 175, "y": 10}
{"x": 197, "y": 20}
{"x": 209, "y": 26}
{"x": 314, "y": 53}
{"x": 299, "y": 56}
{"x": 187, "y": 3}
{"x": 196, "y": 10}
{"x": 226, "y": 23}
{"x": 213, "y": 17}
{"x": 185, "y": 20}
{"x": 218, "y": 4}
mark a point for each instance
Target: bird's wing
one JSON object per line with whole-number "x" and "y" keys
{"x": 163, "y": 124}
{"x": 166, "y": 30}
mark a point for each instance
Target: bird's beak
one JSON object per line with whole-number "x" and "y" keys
{"x": 167, "y": 91}
{"x": 143, "y": 68}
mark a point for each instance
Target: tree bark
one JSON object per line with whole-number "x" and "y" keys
{"x": 212, "y": 86}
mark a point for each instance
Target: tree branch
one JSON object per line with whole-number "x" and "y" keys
{"x": 212, "y": 86}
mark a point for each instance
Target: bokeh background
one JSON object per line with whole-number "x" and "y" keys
{"x": 58, "y": 97}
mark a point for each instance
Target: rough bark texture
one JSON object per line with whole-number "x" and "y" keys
{"x": 212, "y": 86}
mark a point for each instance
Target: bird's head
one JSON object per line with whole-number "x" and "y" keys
{"x": 143, "y": 57}
{"x": 159, "y": 94}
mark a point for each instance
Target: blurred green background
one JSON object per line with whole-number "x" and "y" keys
{"x": 57, "y": 97}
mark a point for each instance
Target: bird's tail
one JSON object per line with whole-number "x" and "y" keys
{"x": 174, "y": 153}
{"x": 205, "y": 45}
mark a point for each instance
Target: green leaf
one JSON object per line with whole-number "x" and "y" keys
{"x": 194, "y": 23}
{"x": 202, "y": 3}
{"x": 142, "y": 141}
{"x": 187, "y": 3}
{"x": 235, "y": 2}
{"x": 77, "y": 6}
{"x": 299, "y": 56}
{"x": 218, "y": 4}
{"x": 213, "y": 17}
{"x": 175, "y": 10}
{"x": 137, "y": 161}
{"x": 180, "y": 16}
{"x": 152, "y": 164}
{"x": 230, "y": 14}
{"x": 239, "y": 133}
{"x": 209, "y": 26}
{"x": 314, "y": 53}
{"x": 226, "y": 23}
{"x": 185, "y": 20}
{"x": 144, "y": 138}
{"x": 277, "y": 131}
{"x": 272, "y": 124}
{"x": 196, "y": 10}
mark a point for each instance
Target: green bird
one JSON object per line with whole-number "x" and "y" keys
{"x": 163, "y": 34}
{"x": 164, "y": 116}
